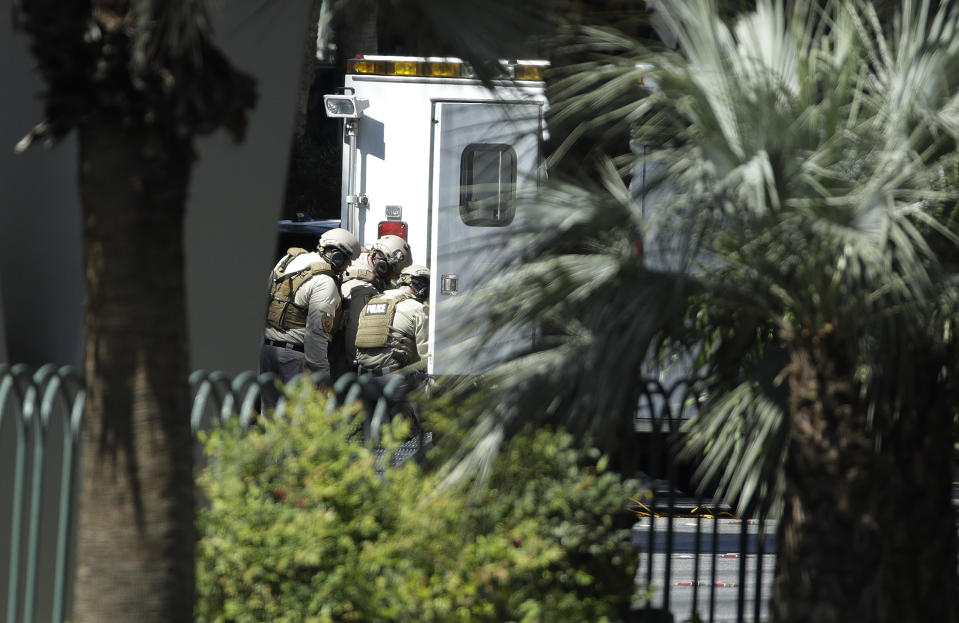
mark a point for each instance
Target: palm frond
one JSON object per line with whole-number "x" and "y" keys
{"x": 575, "y": 283}
{"x": 739, "y": 445}
{"x": 790, "y": 174}
{"x": 142, "y": 63}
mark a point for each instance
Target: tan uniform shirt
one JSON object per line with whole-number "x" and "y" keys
{"x": 321, "y": 298}
{"x": 411, "y": 321}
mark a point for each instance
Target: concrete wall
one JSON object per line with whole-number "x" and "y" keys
{"x": 40, "y": 240}
{"x": 235, "y": 201}
{"x": 237, "y": 190}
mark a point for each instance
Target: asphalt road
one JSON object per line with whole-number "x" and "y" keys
{"x": 733, "y": 568}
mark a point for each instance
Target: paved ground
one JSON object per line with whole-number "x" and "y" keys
{"x": 733, "y": 568}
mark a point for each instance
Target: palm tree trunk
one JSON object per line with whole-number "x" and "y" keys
{"x": 135, "y": 552}
{"x": 307, "y": 72}
{"x": 853, "y": 496}
{"x": 356, "y": 31}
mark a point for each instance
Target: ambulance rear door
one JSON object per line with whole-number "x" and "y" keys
{"x": 483, "y": 155}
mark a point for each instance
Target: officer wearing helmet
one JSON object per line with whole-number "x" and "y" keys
{"x": 393, "y": 328}
{"x": 304, "y": 300}
{"x": 392, "y": 337}
{"x": 371, "y": 274}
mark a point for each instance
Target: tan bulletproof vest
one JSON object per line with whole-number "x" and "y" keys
{"x": 376, "y": 319}
{"x": 283, "y": 313}
{"x": 357, "y": 272}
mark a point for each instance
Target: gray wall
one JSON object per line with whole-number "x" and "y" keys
{"x": 40, "y": 248}
{"x": 237, "y": 190}
{"x": 3, "y": 332}
{"x": 235, "y": 201}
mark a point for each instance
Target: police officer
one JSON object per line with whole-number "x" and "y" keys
{"x": 393, "y": 327}
{"x": 392, "y": 337}
{"x": 303, "y": 304}
{"x": 368, "y": 276}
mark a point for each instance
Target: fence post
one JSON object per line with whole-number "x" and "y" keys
{"x": 68, "y": 465}
{"x": 10, "y": 386}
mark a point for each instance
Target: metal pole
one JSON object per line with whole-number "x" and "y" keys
{"x": 71, "y": 440}
{"x": 9, "y": 384}
{"x": 37, "y": 417}
{"x": 351, "y": 175}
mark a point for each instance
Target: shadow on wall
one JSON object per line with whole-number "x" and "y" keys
{"x": 41, "y": 303}
{"x": 235, "y": 202}
{"x": 236, "y": 196}
{"x": 3, "y": 329}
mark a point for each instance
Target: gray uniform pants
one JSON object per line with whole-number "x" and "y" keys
{"x": 285, "y": 363}
{"x": 400, "y": 396}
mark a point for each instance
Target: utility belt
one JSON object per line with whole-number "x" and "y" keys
{"x": 375, "y": 371}
{"x": 414, "y": 379}
{"x": 288, "y": 345}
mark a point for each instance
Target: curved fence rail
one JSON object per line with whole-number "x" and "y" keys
{"x": 32, "y": 406}
{"x": 217, "y": 397}
{"x": 41, "y": 414}
{"x": 697, "y": 560}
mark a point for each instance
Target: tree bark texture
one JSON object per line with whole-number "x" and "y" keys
{"x": 307, "y": 71}
{"x": 356, "y": 31}
{"x": 135, "y": 551}
{"x": 868, "y": 531}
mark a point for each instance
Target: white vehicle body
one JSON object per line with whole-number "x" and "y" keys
{"x": 443, "y": 155}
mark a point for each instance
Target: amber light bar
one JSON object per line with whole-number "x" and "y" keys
{"x": 439, "y": 68}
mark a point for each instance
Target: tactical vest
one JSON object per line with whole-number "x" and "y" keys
{"x": 358, "y": 272}
{"x": 376, "y": 319}
{"x": 283, "y": 313}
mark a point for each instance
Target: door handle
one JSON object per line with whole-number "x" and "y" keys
{"x": 449, "y": 285}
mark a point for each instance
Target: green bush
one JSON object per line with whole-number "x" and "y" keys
{"x": 300, "y": 527}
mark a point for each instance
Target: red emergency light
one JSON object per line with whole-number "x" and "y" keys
{"x": 397, "y": 228}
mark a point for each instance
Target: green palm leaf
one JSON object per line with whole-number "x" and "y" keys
{"x": 789, "y": 176}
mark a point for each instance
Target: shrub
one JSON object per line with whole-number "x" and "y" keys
{"x": 301, "y": 526}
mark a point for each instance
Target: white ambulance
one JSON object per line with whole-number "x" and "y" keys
{"x": 432, "y": 154}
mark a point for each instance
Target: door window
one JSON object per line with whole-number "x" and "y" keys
{"x": 487, "y": 184}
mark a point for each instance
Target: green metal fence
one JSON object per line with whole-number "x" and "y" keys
{"x": 40, "y": 414}
{"x": 40, "y": 417}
